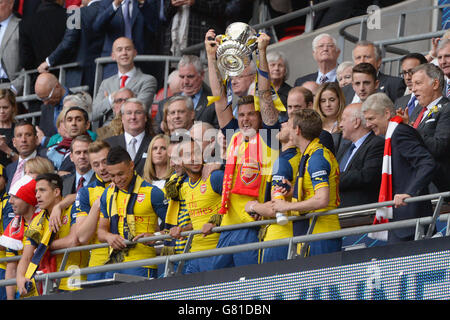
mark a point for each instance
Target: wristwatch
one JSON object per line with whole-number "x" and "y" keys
{"x": 11, "y": 154}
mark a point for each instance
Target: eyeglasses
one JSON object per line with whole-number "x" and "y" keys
{"x": 406, "y": 73}
{"x": 48, "y": 97}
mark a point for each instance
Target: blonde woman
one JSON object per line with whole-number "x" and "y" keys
{"x": 8, "y": 110}
{"x": 37, "y": 166}
{"x": 157, "y": 167}
{"x": 329, "y": 102}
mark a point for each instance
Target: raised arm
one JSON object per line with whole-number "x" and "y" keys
{"x": 269, "y": 113}
{"x": 224, "y": 114}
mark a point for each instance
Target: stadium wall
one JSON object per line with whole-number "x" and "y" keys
{"x": 408, "y": 271}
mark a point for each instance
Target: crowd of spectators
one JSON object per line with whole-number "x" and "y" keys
{"x": 128, "y": 162}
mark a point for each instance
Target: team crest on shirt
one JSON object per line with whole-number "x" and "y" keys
{"x": 203, "y": 188}
{"x": 249, "y": 172}
{"x": 140, "y": 197}
{"x": 64, "y": 220}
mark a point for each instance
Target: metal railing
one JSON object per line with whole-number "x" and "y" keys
{"x": 388, "y": 45}
{"x": 419, "y": 223}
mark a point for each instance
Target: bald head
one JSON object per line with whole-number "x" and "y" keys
{"x": 124, "y": 52}
{"x": 48, "y": 88}
{"x": 353, "y": 124}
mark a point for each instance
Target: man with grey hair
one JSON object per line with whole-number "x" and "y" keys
{"x": 325, "y": 53}
{"x": 443, "y": 57}
{"x": 432, "y": 121}
{"x": 366, "y": 51}
{"x": 191, "y": 74}
{"x": 180, "y": 113}
{"x": 360, "y": 158}
{"x": 411, "y": 164}
{"x": 137, "y": 133}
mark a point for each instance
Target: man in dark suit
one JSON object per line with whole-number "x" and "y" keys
{"x": 26, "y": 142}
{"x": 51, "y": 93}
{"x": 366, "y": 51}
{"x": 83, "y": 173}
{"x": 88, "y": 45}
{"x": 112, "y": 21}
{"x": 412, "y": 165}
{"x": 325, "y": 53}
{"x": 433, "y": 120}
{"x": 359, "y": 160}
{"x": 136, "y": 136}
{"x": 408, "y": 63}
{"x": 38, "y": 37}
{"x": 191, "y": 74}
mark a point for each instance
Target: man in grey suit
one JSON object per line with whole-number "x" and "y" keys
{"x": 143, "y": 85}
{"x": 137, "y": 132}
{"x": 9, "y": 48}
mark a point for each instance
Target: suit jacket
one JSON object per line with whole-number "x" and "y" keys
{"x": 46, "y": 120}
{"x": 308, "y": 77}
{"x": 402, "y": 102}
{"x": 360, "y": 182}
{"x": 143, "y": 85}
{"x": 141, "y": 154}
{"x": 69, "y": 186}
{"x": 11, "y": 168}
{"x": 413, "y": 167}
{"x": 435, "y": 132}
{"x": 203, "y": 15}
{"x": 111, "y": 23}
{"x": 9, "y": 49}
{"x": 394, "y": 87}
{"x": 203, "y": 112}
{"x": 38, "y": 38}
{"x": 85, "y": 44}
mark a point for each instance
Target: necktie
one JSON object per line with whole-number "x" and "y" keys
{"x": 80, "y": 183}
{"x": 19, "y": 172}
{"x": 123, "y": 79}
{"x": 411, "y": 104}
{"x": 419, "y": 117}
{"x": 126, "y": 18}
{"x": 448, "y": 89}
{"x": 132, "y": 149}
{"x": 323, "y": 79}
{"x": 346, "y": 157}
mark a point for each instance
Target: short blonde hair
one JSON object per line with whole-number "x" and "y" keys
{"x": 39, "y": 165}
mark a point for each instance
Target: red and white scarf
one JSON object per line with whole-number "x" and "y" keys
{"x": 383, "y": 214}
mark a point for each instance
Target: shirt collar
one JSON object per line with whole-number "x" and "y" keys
{"x": 130, "y": 73}
{"x": 330, "y": 75}
{"x": 87, "y": 176}
{"x": 31, "y": 156}
{"x": 139, "y": 137}
{"x": 361, "y": 140}
{"x": 433, "y": 103}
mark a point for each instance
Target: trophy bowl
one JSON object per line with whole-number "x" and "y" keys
{"x": 237, "y": 45}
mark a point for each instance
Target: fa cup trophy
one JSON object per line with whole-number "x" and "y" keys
{"x": 236, "y": 47}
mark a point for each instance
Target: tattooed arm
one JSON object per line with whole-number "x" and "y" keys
{"x": 224, "y": 114}
{"x": 269, "y": 113}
